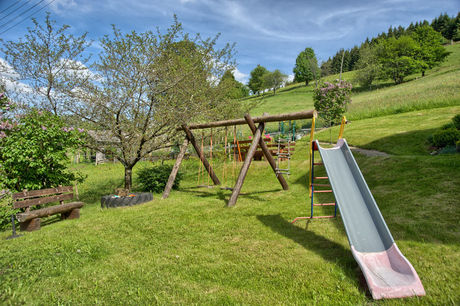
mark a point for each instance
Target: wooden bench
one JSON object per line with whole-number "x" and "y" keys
{"x": 30, "y": 219}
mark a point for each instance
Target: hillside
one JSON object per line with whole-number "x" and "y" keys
{"x": 440, "y": 87}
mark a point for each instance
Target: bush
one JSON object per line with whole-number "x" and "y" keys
{"x": 443, "y": 138}
{"x": 6, "y": 209}
{"x": 154, "y": 179}
{"x": 456, "y": 121}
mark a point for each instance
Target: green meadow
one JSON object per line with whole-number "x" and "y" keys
{"x": 191, "y": 249}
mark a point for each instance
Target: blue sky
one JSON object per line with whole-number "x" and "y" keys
{"x": 270, "y": 33}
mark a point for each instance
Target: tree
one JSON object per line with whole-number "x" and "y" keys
{"x": 274, "y": 80}
{"x": 149, "y": 85}
{"x": 235, "y": 89}
{"x": 398, "y": 57}
{"x": 306, "y": 66}
{"x": 45, "y": 59}
{"x": 256, "y": 81}
{"x": 431, "y": 53}
{"x": 368, "y": 66}
{"x": 447, "y": 26}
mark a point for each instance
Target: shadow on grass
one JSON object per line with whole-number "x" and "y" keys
{"x": 361, "y": 89}
{"x": 327, "y": 249}
{"x": 224, "y": 195}
{"x": 407, "y": 143}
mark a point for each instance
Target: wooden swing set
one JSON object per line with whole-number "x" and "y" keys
{"x": 256, "y": 141}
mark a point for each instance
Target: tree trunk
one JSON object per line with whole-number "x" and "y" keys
{"x": 128, "y": 177}
{"x": 306, "y": 83}
{"x": 423, "y": 73}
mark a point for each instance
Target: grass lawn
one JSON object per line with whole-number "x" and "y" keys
{"x": 189, "y": 248}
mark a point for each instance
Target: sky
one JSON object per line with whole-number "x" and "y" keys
{"x": 270, "y": 33}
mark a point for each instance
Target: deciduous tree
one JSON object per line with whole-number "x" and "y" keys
{"x": 306, "y": 66}
{"x": 256, "y": 80}
{"x": 48, "y": 59}
{"x": 149, "y": 85}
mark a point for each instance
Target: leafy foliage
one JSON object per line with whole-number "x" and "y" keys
{"x": 447, "y": 135}
{"x": 398, "y": 58}
{"x": 150, "y": 84}
{"x": 456, "y": 121}
{"x": 306, "y": 66}
{"x": 49, "y": 59}
{"x": 274, "y": 80}
{"x": 33, "y": 152}
{"x": 369, "y": 67}
{"x": 256, "y": 81}
{"x": 154, "y": 179}
{"x": 235, "y": 89}
{"x": 443, "y": 138}
{"x": 331, "y": 100}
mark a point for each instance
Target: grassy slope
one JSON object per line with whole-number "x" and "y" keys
{"x": 439, "y": 88}
{"x": 190, "y": 249}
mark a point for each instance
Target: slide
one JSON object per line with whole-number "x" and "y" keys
{"x": 388, "y": 273}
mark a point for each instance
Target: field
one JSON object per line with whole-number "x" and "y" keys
{"x": 190, "y": 249}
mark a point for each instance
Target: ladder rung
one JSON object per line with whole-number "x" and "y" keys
{"x": 320, "y": 178}
{"x": 321, "y": 191}
{"x": 321, "y": 185}
{"x": 325, "y": 204}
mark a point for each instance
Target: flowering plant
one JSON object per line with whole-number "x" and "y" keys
{"x": 331, "y": 100}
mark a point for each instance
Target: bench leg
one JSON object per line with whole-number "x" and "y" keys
{"x": 31, "y": 225}
{"x": 73, "y": 214}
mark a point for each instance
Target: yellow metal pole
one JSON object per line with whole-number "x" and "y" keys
{"x": 342, "y": 127}
{"x": 312, "y": 137}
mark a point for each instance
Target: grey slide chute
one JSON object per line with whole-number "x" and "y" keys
{"x": 388, "y": 273}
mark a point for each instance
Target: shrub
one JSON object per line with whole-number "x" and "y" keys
{"x": 33, "y": 152}
{"x": 447, "y": 126}
{"x": 6, "y": 209}
{"x": 154, "y": 179}
{"x": 331, "y": 100}
{"x": 456, "y": 121}
{"x": 447, "y": 137}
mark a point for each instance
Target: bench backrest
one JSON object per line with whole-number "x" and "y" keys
{"x": 42, "y": 196}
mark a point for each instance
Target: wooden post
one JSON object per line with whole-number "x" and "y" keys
{"x": 175, "y": 169}
{"x": 268, "y": 155}
{"x": 247, "y": 162}
{"x": 203, "y": 159}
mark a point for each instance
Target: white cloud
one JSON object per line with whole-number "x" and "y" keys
{"x": 240, "y": 76}
{"x": 290, "y": 78}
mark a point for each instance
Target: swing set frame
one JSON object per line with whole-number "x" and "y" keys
{"x": 257, "y": 141}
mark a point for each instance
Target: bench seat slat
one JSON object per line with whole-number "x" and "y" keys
{"x": 43, "y": 200}
{"x": 37, "y": 193}
{"x": 48, "y": 211}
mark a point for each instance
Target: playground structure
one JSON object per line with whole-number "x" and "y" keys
{"x": 256, "y": 142}
{"x": 387, "y": 272}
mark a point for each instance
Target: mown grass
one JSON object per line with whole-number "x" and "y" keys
{"x": 189, "y": 248}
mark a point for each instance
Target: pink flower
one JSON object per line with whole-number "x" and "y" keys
{"x": 81, "y": 130}
{"x": 44, "y": 128}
